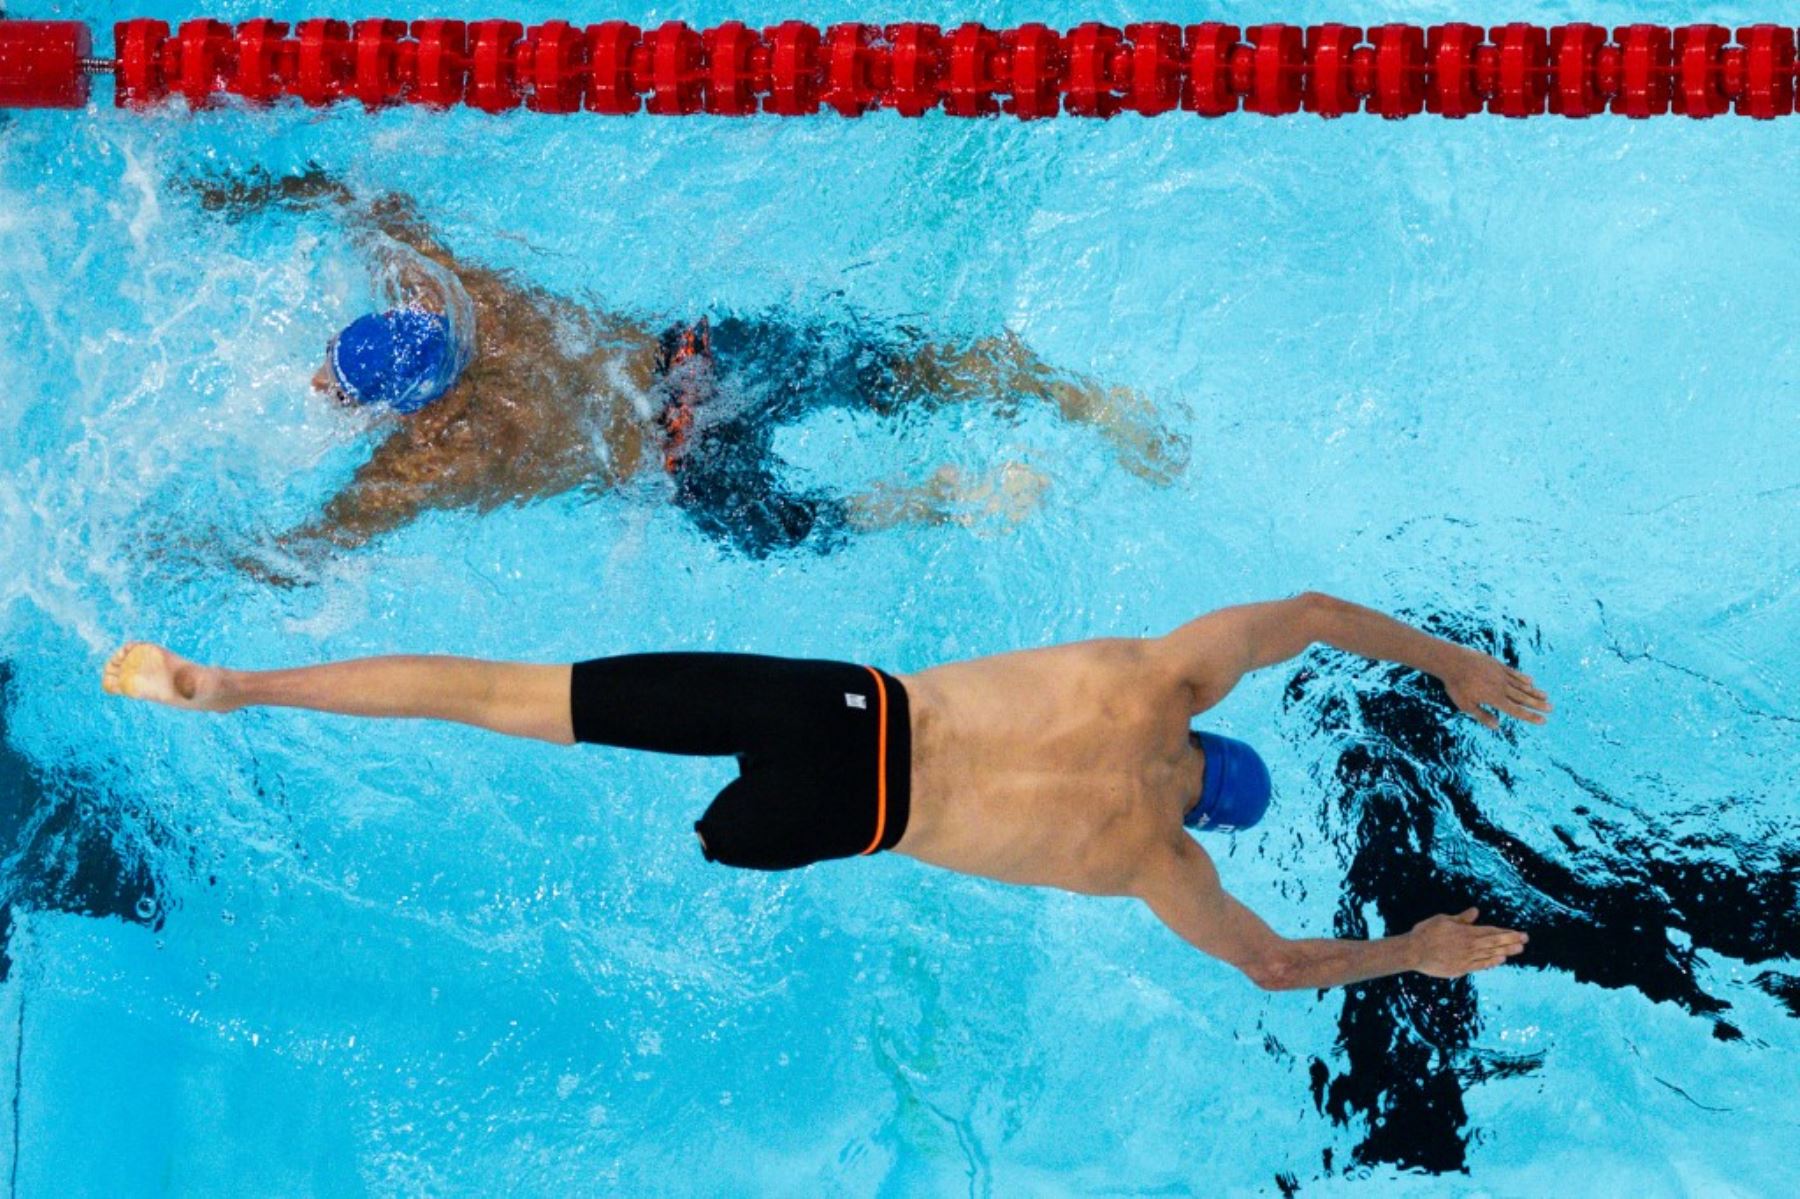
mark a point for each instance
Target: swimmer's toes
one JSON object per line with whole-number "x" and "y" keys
{"x": 109, "y": 674}
{"x": 123, "y": 669}
{"x": 136, "y": 672}
{"x": 148, "y": 672}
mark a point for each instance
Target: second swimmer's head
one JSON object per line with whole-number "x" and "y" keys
{"x": 402, "y": 359}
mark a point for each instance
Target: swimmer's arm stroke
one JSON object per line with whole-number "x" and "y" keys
{"x": 396, "y": 216}
{"x": 1182, "y": 888}
{"x": 1216, "y": 650}
{"x": 235, "y": 196}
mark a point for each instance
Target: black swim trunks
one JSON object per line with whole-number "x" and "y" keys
{"x": 824, "y": 749}
{"x": 728, "y": 387}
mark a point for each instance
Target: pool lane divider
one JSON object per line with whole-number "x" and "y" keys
{"x": 794, "y": 69}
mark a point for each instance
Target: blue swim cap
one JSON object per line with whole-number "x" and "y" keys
{"x": 401, "y": 359}
{"x": 1235, "y": 792}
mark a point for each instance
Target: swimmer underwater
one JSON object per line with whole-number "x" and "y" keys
{"x": 497, "y": 393}
{"x": 1071, "y": 766}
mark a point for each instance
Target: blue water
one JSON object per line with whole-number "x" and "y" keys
{"x": 1532, "y": 380}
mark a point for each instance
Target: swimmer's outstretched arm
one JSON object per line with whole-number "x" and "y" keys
{"x": 396, "y": 216}
{"x": 1218, "y": 649}
{"x": 1182, "y": 887}
{"x": 514, "y": 698}
{"x": 371, "y": 504}
{"x": 235, "y": 196}
{"x": 364, "y": 510}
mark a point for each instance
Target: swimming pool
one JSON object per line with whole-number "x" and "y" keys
{"x": 1531, "y": 380}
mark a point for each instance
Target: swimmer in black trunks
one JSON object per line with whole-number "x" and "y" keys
{"x": 1071, "y": 766}
{"x": 503, "y": 393}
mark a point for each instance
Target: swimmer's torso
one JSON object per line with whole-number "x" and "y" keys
{"x": 1059, "y": 767}
{"x": 546, "y": 406}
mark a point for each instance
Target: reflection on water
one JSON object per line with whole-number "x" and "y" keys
{"x": 1621, "y": 901}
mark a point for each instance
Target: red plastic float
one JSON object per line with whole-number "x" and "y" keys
{"x": 41, "y": 64}
{"x": 1453, "y": 85}
{"x": 1039, "y": 61}
{"x": 377, "y": 58}
{"x": 794, "y": 69}
{"x": 851, "y": 53}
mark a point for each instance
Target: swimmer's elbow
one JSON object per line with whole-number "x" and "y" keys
{"x": 1320, "y": 612}
{"x": 1277, "y": 970}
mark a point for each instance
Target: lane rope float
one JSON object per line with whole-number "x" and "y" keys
{"x": 795, "y": 69}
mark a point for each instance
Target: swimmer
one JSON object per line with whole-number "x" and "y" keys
{"x": 1072, "y": 766}
{"x": 500, "y": 393}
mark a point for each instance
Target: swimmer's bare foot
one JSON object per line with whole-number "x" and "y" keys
{"x": 1023, "y": 488}
{"x": 1131, "y": 423}
{"x": 951, "y": 497}
{"x": 1008, "y": 496}
{"x": 140, "y": 670}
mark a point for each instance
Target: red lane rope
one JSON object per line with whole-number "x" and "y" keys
{"x": 795, "y": 69}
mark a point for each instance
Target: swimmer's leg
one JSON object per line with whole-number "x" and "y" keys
{"x": 1002, "y": 368}
{"x": 517, "y": 699}
{"x": 949, "y": 496}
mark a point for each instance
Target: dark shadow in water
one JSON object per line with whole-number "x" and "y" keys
{"x": 54, "y": 853}
{"x": 1627, "y": 904}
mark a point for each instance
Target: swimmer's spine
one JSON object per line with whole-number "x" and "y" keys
{"x": 795, "y": 69}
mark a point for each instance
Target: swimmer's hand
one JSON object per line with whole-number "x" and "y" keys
{"x": 1452, "y": 946}
{"x": 1480, "y": 686}
{"x": 235, "y": 196}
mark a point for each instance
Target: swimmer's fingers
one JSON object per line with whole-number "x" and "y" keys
{"x": 1451, "y": 946}
{"x": 1497, "y": 940}
{"x": 1518, "y": 702}
{"x": 1523, "y": 680}
{"x": 1522, "y": 684}
{"x": 1488, "y": 952}
{"x": 1522, "y": 708}
{"x": 1484, "y": 688}
{"x": 1530, "y": 697}
{"x": 238, "y": 194}
{"x": 234, "y": 194}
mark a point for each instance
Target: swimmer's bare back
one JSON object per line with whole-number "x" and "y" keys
{"x": 544, "y": 408}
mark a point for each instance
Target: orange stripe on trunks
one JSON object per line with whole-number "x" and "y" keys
{"x": 880, "y": 762}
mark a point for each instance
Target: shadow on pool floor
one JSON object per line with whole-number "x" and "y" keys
{"x": 57, "y": 855}
{"x": 1629, "y": 906}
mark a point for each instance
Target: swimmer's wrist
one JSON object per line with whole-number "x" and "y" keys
{"x": 1447, "y": 660}
{"x": 1408, "y": 951}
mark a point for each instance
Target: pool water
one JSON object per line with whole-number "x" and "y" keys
{"x": 1532, "y": 384}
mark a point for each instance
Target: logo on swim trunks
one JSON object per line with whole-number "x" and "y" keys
{"x": 853, "y": 700}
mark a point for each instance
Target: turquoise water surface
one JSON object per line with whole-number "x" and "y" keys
{"x": 1531, "y": 382}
